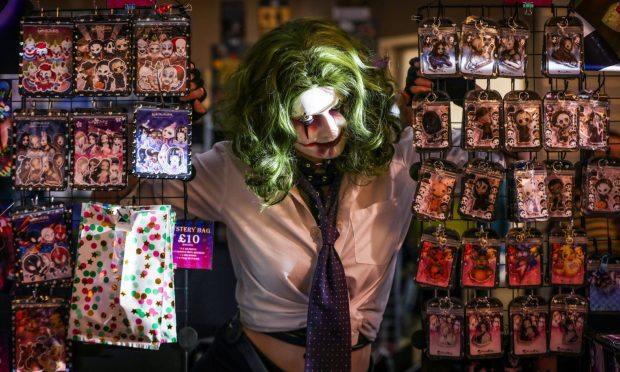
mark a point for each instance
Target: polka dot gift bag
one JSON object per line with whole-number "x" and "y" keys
{"x": 123, "y": 287}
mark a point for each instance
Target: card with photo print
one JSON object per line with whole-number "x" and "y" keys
{"x": 560, "y": 182}
{"x": 568, "y": 323}
{"x": 522, "y": 114}
{"x": 480, "y": 261}
{"x": 560, "y": 124}
{"x": 594, "y": 118}
{"x": 485, "y": 318}
{"x": 513, "y": 36}
{"x": 431, "y": 121}
{"x": 481, "y": 182}
{"x": 436, "y": 264}
{"x": 528, "y": 319}
{"x": 439, "y": 41}
{"x": 524, "y": 257}
{"x": 479, "y": 42}
{"x": 481, "y": 120}
{"x": 563, "y": 47}
{"x": 601, "y": 186}
{"x": 433, "y": 197}
{"x": 445, "y": 325}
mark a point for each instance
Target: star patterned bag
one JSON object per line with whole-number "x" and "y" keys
{"x": 123, "y": 289}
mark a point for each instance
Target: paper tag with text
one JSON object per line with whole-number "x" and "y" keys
{"x": 193, "y": 244}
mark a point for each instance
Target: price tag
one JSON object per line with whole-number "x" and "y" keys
{"x": 193, "y": 244}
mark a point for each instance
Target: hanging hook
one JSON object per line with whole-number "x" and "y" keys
{"x": 601, "y": 83}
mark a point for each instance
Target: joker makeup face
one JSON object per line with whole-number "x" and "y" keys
{"x": 319, "y": 124}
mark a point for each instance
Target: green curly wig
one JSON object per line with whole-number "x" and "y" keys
{"x": 261, "y": 95}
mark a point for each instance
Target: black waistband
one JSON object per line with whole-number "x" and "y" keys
{"x": 297, "y": 337}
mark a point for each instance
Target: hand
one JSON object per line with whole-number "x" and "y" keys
{"x": 197, "y": 93}
{"x": 414, "y": 83}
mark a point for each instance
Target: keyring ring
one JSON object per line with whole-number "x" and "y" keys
{"x": 483, "y": 95}
{"x": 431, "y": 97}
{"x": 555, "y": 166}
{"x": 595, "y": 96}
{"x": 524, "y": 96}
{"x": 561, "y": 96}
{"x": 438, "y": 165}
{"x": 602, "y": 163}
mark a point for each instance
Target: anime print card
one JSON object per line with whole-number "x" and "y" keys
{"x": 46, "y": 62}
{"x": 98, "y": 151}
{"x": 561, "y": 121}
{"x": 568, "y": 321}
{"x": 528, "y": 325}
{"x": 560, "y": 182}
{"x": 437, "y": 257}
{"x": 481, "y": 120}
{"x": 481, "y": 183}
{"x": 433, "y": 197}
{"x": 445, "y": 322}
{"x": 162, "y": 143}
{"x": 484, "y": 329}
{"x": 439, "y": 42}
{"x": 162, "y": 57}
{"x": 563, "y": 47}
{"x": 479, "y": 48}
{"x": 102, "y": 56}
{"x": 601, "y": 186}
{"x": 524, "y": 257}
{"x": 40, "y": 151}
{"x": 567, "y": 250}
{"x": 513, "y": 36}
{"x": 522, "y": 114}
{"x": 480, "y": 259}
{"x": 593, "y": 121}
{"x": 40, "y": 335}
{"x": 528, "y": 192}
{"x": 431, "y": 121}
{"x": 604, "y": 283}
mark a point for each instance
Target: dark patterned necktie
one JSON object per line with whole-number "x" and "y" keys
{"x": 328, "y": 342}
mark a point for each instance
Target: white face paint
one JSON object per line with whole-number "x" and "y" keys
{"x": 319, "y": 124}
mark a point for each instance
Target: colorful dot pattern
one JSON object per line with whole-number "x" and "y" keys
{"x": 123, "y": 287}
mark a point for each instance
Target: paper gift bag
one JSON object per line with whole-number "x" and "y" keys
{"x": 123, "y": 288}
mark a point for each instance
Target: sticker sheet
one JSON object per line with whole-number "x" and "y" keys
{"x": 479, "y": 48}
{"x": 528, "y": 192}
{"x": 437, "y": 258}
{"x": 528, "y": 326}
{"x": 103, "y": 57}
{"x": 561, "y": 122}
{"x": 162, "y": 143}
{"x": 522, "y": 122}
{"x": 512, "y": 51}
{"x": 433, "y": 198}
{"x": 601, "y": 179}
{"x": 568, "y": 322}
{"x": 567, "y": 260}
{"x": 560, "y": 182}
{"x": 46, "y": 58}
{"x": 479, "y": 264}
{"x": 594, "y": 118}
{"x": 482, "y": 121}
{"x": 524, "y": 258}
{"x": 431, "y": 125}
{"x": 484, "y": 330}
{"x": 481, "y": 184}
{"x": 99, "y": 148}
{"x": 563, "y": 43}
{"x": 445, "y": 320}
{"x": 439, "y": 42}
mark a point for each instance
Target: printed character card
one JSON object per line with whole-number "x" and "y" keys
{"x": 436, "y": 181}
{"x": 481, "y": 184}
{"x": 482, "y": 120}
{"x": 604, "y": 283}
{"x": 513, "y": 37}
{"x": 563, "y": 47}
{"x": 601, "y": 186}
{"x": 484, "y": 330}
{"x": 162, "y": 143}
{"x": 40, "y": 152}
{"x": 593, "y": 121}
{"x": 480, "y": 258}
{"x": 528, "y": 192}
{"x": 98, "y": 152}
{"x": 560, "y": 182}
{"x": 46, "y": 58}
{"x": 524, "y": 257}
{"x": 439, "y": 42}
{"x": 560, "y": 122}
{"x": 6, "y": 159}
{"x": 162, "y": 52}
{"x": 103, "y": 56}
{"x": 479, "y": 47}
{"x": 40, "y": 333}
{"x": 445, "y": 319}
{"x": 568, "y": 320}
{"x": 43, "y": 246}
{"x": 431, "y": 123}
{"x": 522, "y": 130}
{"x": 528, "y": 325}
{"x": 567, "y": 258}
{"x": 437, "y": 257}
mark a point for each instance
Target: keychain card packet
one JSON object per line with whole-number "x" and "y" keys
{"x": 480, "y": 261}
{"x": 162, "y": 56}
{"x": 524, "y": 257}
{"x": 438, "y": 257}
{"x": 445, "y": 323}
{"x": 162, "y": 143}
{"x": 513, "y": 37}
{"x": 567, "y": 248}
{"x": 528, "y": 195}
{"x": 593, "y": 121}
{"x": 528, "y": 319}
{"x": 485, "y": 317}
{"x": 561, "y": 121}
{"x": 481, "y": 182}
{"x": 439, "y": 41}
{"x": 603, "y": 274}
{"x": 563, "y": 51}
{"x": 43, "y": 246}
{"x": 568, "y": 321}
{"x": 40, "y": 150}
{"x": 479, "y": 42}
{"x": 103, "y": 56}
{"x": 601, "y": 186}
{"x": 560, "y": 181}
{"x": 46, "y": 57}
{"x": 99, "y": 150}
{"x": 481, "y": 120}
{"x": 40, "y": 335}
{"x": 522, "y": 114}
{"x": 431, "y": 121}
{"x": 436, "y": 181}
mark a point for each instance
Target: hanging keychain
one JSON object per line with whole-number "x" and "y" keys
{"x": 433, "y": 197}
{"x": 593, "y": 120}
{"x": 568, "y": 322}
{"x": 528, "y": 195}
{"x": 513, "y": 36}
{"x": 480, "y": 261}
{"x": 524, "y": 257}
{"x": 603, "y": 273}
{"x": 439, "y": 47}
{"x": 431, "y": 121}
{"x": 479, "y": 41}
{"x": 528, "y": 318}
{"x": 522, "y": 115}
{"x": 485, "y": 318}
{"x": 563, "y": 51}
{"x": 445, "y": 322}
{"x": 601, "y": 186}
{"x": 560, "y": 123}
{"x": 438, "y": 257}
{"x": 481, "y": 182}
{"x": 481, "y": 118}
{"x": 560, "y": 181}
{"x": 567, "y": 247}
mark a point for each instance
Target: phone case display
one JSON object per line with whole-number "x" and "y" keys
{"x": 601, "y": 186}
{"x": 125, "y": 253}
{"x": 563, "y": 52}
{"x": 561, "y": 121}
{"x": 528, "y": 319}
{"x": 431, "y": 121}
{"x": 433, "y": 197}
{"x": 162, "y": 143}
{"x": 481, "y": 182}
{"x": 39, "y": 334}
{"x": 485, "y": 317}
{"x": 567, "y": 248}
{"x": 103, "y": 56}
{"x": 603, "y": 283}
{"x": 480, "y": 261}
{"x": 439, "y": 42}
{"x": 560, "y": 181}
{"x": 568, "y": 320}
{"x": 513, "y": 36}
{"x": 593, "y": 121}
{"x": 438, "y": 257}
{"x": 162, "y": 57}
{"x": 481, "y": 120}
{"x": 524, "y": 257}
{"x": 445, "y": 322}
{"x": 479, "y": 41}
{"x": 40, "y": 150}
{"x": 46, "y": 57}
{"x": 528, "y": 195}
{"x": 42, "y": 245}
{"x": 522, "y": 114}
{"x": 99, "y": 151}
